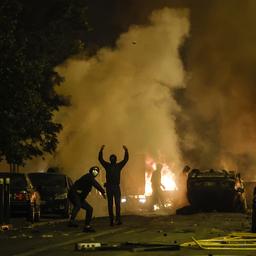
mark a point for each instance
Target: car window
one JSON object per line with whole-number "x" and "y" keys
{"x": 47, "y": 180}
{"x": 18, "y": 182}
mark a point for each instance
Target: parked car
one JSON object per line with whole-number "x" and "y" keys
{"x": 53, "y": 189}
{"x": 24, "y": 198}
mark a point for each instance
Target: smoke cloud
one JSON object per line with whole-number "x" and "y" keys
{"x": 216, "y": 124}
{"x": 218, "y": 121}
{"x": 124, "y": 96}
{"x": 214, "y": 113}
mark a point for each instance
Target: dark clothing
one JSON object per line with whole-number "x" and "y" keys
{"x": 79, "y": 203}
{"x": 114, "y": 193}
{"x": 157, "y": 194}
{"x": 85, "y": 184}
{"x": 79, "y": 191}
{"x": 113, "y": 171}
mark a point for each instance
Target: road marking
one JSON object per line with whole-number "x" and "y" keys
{"x": 77, "y": 239}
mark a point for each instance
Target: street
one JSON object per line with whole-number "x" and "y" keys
{"x": 54, "y": 237}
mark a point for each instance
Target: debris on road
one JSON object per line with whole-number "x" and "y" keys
{"x": 234, "y": 241}
{"x": 134, "y": 247}
{"x": 87, "y": 246}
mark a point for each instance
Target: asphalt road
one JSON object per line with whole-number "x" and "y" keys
{"x": 54, "y": 237}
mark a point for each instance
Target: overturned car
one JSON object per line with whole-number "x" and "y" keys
{"x": 218, "y": 190}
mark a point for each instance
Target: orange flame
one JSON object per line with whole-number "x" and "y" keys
{"x": 167, "y": 177}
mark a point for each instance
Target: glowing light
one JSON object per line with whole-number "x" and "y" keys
{"x": 142, "y": 200}
{"x": 167, "y": 177}
{"x": 156, "y": 207}
{"x": 123, "y": 200}
{"x": 148, "y": 188}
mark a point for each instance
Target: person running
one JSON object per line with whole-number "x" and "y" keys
{"x": 78, "y": 194}
{"x": 113, "y": 170}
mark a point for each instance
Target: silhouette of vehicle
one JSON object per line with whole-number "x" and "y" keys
{"x": 24, "y": 198}
{"x": 219, "y": 190}
{"x": 53, "y": 189}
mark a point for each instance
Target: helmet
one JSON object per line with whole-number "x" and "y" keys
{"x": 94, "y": 170}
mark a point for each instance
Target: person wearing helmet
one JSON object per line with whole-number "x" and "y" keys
{"x": 78, "y": 193}
{"x": 113, "y": 170}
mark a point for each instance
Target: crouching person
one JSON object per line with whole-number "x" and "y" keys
{"x": 78, "y": 193}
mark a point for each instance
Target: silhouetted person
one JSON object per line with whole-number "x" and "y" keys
{"x": 78, "y": 193}
{"x": 113, "y": 170}
{"x": 157, "y": 186}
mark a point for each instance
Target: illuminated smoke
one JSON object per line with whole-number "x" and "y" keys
{"x": 218, "y": 122}
{"x": 123, "y": 96}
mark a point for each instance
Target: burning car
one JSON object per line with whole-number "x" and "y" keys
{"x": 219, "y": 190}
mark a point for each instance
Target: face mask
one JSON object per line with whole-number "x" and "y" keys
{"x": 95, "y": 172}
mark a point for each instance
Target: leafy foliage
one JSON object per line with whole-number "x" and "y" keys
{"x": 35, "y": 37}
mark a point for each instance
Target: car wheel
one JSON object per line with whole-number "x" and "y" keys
{"x": 31, "y": 214}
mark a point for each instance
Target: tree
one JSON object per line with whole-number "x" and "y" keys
{"x": 35, "y": 37}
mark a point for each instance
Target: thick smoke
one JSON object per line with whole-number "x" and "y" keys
{"x": 216, "y": 122}
{"x": 216, "y": 125}
{"x": 219, "y": 121}
{"x": 124, "y": 96}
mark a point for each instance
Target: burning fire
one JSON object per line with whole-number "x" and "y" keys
{"x": 167, "y": 177}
